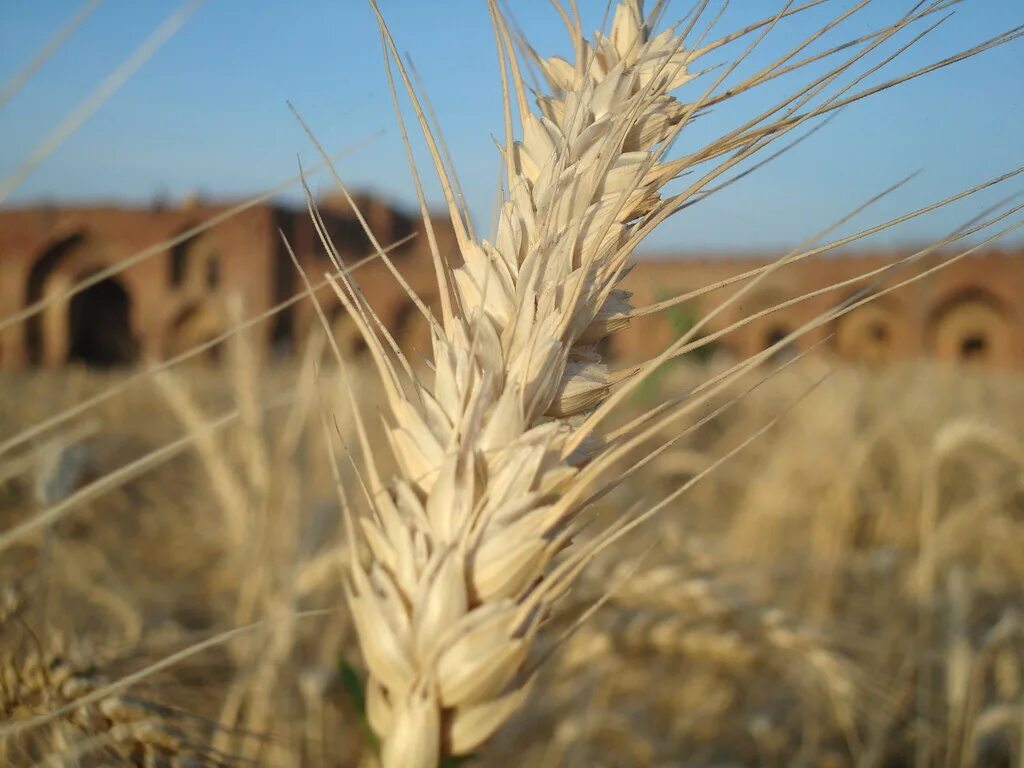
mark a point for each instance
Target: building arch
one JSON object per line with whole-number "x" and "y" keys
{"x": 94, "y": 326}
{"x": 972, "y": 326}
{"x": 193, "y": 265}
{"x": 774, "y": 333}
{"x": 411, "y": 330}
{"x": 196, "y": 323}
{"x": 873, "y": 333}
{"x": 99, "y": 326}
{"x": 40, "y": 327}
{"x": 751, "y": 337}
{"x": 347, "y": 335}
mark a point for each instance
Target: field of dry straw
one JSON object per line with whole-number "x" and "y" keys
{"x": 502, "y": 550}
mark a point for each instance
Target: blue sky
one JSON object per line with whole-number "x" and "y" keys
{"x": 208, "y": 112}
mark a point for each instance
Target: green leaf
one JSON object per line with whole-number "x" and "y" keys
{"x": 353, "y": 686}
{"x": 356, "y": 690}
{"x": 455, "y": 761}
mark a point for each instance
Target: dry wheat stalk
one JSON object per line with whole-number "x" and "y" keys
{"x": 496, "y": 452}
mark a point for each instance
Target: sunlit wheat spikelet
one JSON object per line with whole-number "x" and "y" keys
{"x": 489, "y": 487}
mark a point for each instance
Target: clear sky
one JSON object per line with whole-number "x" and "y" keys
{"x": 208, "y": 112}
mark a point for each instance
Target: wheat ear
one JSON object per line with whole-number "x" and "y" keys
{"x": 460, "y": 545}
{"x": 496, "y": 449}
{"x": 134, "y": 729}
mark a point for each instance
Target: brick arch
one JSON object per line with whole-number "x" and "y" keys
{"x": 94, "y": 326}
{"x": 99, "y": 326}
{"x": 971, "y": 326}
{"x": 193, "y": 265}
{"x": 346, "y": 332}
{"x": 764, "y": 332}
{"x": 411, "y": 330}
{"x": 875, "y": 333}
{"x": 194, "y": 324}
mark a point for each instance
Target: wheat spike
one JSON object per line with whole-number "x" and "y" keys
{"x": 450, "y": 603}
{"x": 136, "y": 730}
{"x": 497, "y": 455}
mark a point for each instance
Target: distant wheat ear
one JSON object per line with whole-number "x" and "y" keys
{"x": 117, "y": 726}
{"x": 498, "y": 459}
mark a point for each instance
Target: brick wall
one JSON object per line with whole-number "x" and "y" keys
{"x": 174, "y": 296}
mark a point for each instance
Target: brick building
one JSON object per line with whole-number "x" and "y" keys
{"x": 971, "y": 309}
{"x": 174, "y": 298}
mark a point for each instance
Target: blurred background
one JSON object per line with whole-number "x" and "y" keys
{"x": 207, "y": 114}
{"x": 203, "y": 124}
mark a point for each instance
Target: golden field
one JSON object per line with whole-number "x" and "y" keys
{"x": 505, "y": 547}
{"x": 846, "y": 589}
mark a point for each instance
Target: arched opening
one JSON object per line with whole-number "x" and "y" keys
{"x": 92, "y": 327}
{"x": 35, "y": 288}
{"x": 178, "y": 265}
{"x": 213, "y": 271}
{"x": 190, "y": 265}
{"x": 412, "y": 331}
{"x": 196, "y": 324}
{"x": 755, "y": 336}
{"x": 973, "y": 347}
{"x": 99, "y": 326}
{"x": 870, "y": 334}
{"x": 972, "y": 328}
{"x": 349, "y": 339}
{"x": 775, "y": 335}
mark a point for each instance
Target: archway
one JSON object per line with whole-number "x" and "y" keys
{"x": 412, "y": 331}
{"x": 93, "y": 327}
{"x": 193, "y": 265}
{"x": 775, "y": 334}
{"x": 754, "y": 336}
{"x": 971, "y": 328}
{"x": 870, "y": 334}
{"x": 194, "y": 325}
{"x": 99, "y": 326}
{"x": 44, "y": 330}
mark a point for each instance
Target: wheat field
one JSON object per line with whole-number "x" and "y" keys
{"x": 505, "y": 550}
{"x": 845, "y": 591}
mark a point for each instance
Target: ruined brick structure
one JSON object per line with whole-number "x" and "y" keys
{"x": 175, "y": 299}
{"x": 972, "y": 310}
